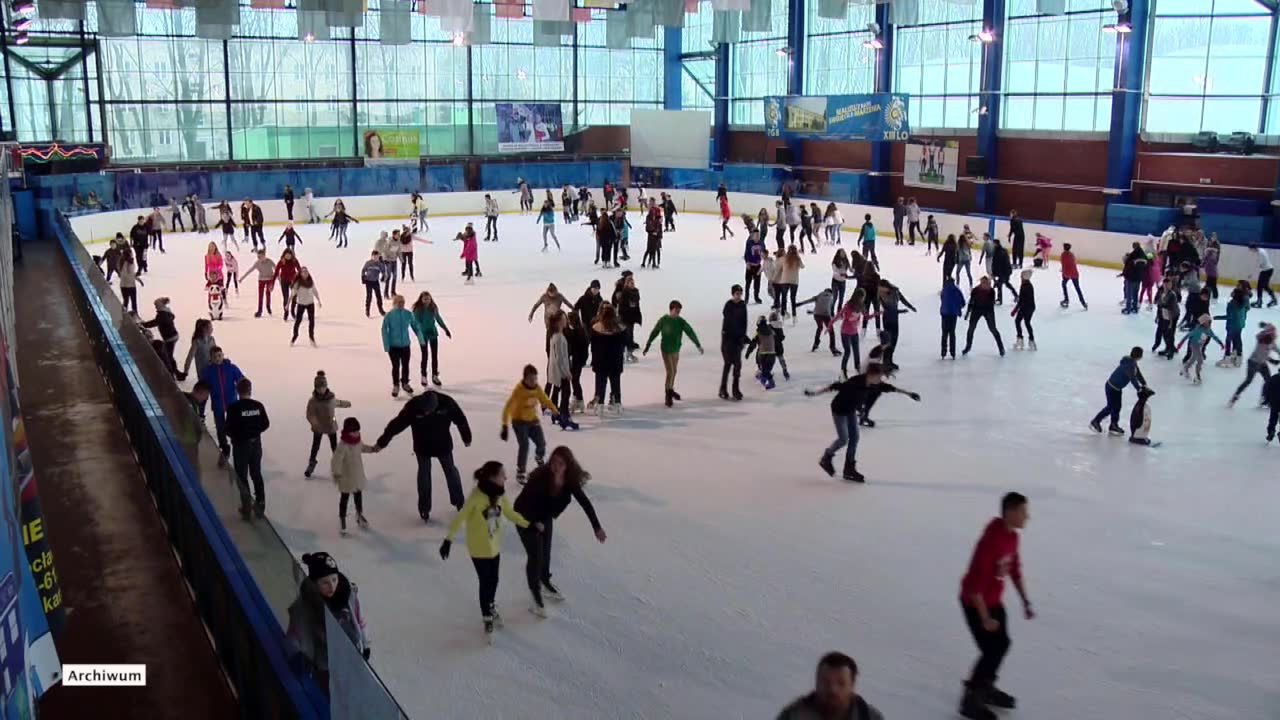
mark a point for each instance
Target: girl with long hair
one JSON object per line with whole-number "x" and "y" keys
{"x": 202, "y": 344}
{"x": 427, "y": 315}
{"x": 840, "y": 274}
{"x": 306, "y": 297}
{"x": 287, "y": 270}
{"x": 608, "y": 345}
{"x": 544, "y": 498}
{"x": 790, "y": 280}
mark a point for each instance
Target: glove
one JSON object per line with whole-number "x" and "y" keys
{"x": 914, "y": 396}
{"x": 448, "y": 334}
{"x": 504, "y": 434}
{"x": 444, "y": 549}
{"x": 367, "y": 653}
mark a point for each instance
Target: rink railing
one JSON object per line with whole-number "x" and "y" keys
{"x": 171, "y": 449}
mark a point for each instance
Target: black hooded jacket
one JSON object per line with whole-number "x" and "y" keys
{"x": 430, "y": 416}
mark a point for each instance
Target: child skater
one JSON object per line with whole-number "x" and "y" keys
{"x": 232, "y": 266}
{"x": 1024, "y": 307}
{"x": 1040, "y": 258}
{"x": 482, "y": 514}
{"x": 779, "y": 337}
{"x": 951, "y": 308}
{"x": 1149, "y": 283}
{"x": 347, "y": 467}
{"x": 1260, "y": 361}
{"x": 470, "y": 253}
{"x": 322, "y": 409}
{"x": 850, "y": 398}
{"x": 521, "y": 412}
{"x": 1140, "y": 419}
{"x": 1198, "y": 337}
{"x": 763, "y": 343}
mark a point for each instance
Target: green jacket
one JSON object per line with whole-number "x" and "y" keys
{"x": 673, "y": 330}
{"x": 428, "y": 320}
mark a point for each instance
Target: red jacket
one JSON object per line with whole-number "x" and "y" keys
{"x": 1069, "y": 269}
{"x": 995, "y": 556}
{"x": 287, "y": 271}
{"x": 724, "y": 208}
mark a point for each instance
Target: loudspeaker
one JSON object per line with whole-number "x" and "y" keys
{"x": 783, "y": 156}
{"x": 975, "y": 166}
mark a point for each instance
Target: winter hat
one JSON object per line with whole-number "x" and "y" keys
{"x": 321, "y": 382}
{"x": 595, "y": 284}
{"x": 775, "y": 319}
{"x": 1206, "y": 320}
{"x": 1026, "y": 274}
{"x": 627, "y": 273}
{"x": 319, "y": 564}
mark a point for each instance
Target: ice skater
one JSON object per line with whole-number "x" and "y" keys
{"x": 407, "y": 240}
{"x": 306, "y": 298}
{"x": 1126, "y": 373}
{"x": 850, "y": 398}
{"x": 725, "y": 215}
{"x": 867, "y": 241}
{"x": 521, "y": 414}
{"x": 608, "y": 350}
{"x": 1236, "y": 316}
{"x": 950, "y": 309}
{"x": 1023, "y": 308}
{"x": 166, "y": 325}
{"x": 995, "y": 556}
{"x": 766, "y": 354}
{"x": 470, "y": 253}
{"x": 542, "y": 500}
{"x": 482, "y": 513}
{"x": 672, "y": 328}
{"x": 347, "y": 467}
{"x": 396, "y": 343}
{"x": 852, "y": 317}
{"x": 322, "y": 409}
{"x": 653, "y": 237}
{"x": 1265, "y": 271}
{"x": 1260, "y": 361}
{"x": 823, "y": 312}
{"x": 733, "y": 337}
{"x": 427, "y": 315}
{"x": 324, "y": 587}
{"x": 982, "y": 306}
{"x": 287, "y": 269}
{"x": 202, "y": 344}
{"x": 266, "y": 270}
{"x": 490, "y": 219}
{"x": 1071, "y": 274}
{"x": 221, "y": 376}
{"x": 430, "y": 415}
{"x": 560, "y": 371}
{"x": 547, "y": 219}
{"x": 371, "y": 277}
{"x": 246, "y": 422}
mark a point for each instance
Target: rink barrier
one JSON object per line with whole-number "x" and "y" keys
{"x": 245, "y": 633}
{"x": 1098, "y": 248}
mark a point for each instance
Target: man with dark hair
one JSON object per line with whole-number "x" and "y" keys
{"x": 981, "y": 597}
{"x": 733, "y": 338}
{"x": 246, "y": 421}
{"x": 833, "y": 696}
{"x": 430, "y": 417}
{"x": 1126, "y": 373}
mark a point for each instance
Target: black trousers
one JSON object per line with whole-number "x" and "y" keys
{"x": 990, "y": 317}
{"x": 310, "y": 311}
{"x": 487, "y": 575}
{"x": 1271, "y": 421}
{"x": 823, "y": 323}
{"x": 257, "y": 236}
{"x": 577, "y": 380}
{"x": 342, "y": 504}
{"x": 949, "y": 334}
{"x": 1024, "y": 316}
{"x": 993, "y": 645}
{"x": 731, "y": 352}
{"x": 752, "y": 279}
{"x": 372, "y": 290}
{"x": 491, "y": 228}
{"x": 315, "y": 443}
{"x": 399, "y": 365}
{"x": 406, "y": 264}
{"x": 129, "y": 297}
{"x": 175, "y": 222}
{"x": 1001, "y": 284}
{"x": 537, "y": 548}
{"x": 613, "y": 380}
{"x": 1264, "y": 285}
{"x": 1017, "y": 250}
{"x": 433, "y": 345}
{"x": 288, "y": 208}
{"x": 247, "y": 460}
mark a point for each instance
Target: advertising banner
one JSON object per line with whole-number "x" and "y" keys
{"x": 932, "y": 164}
{"x": 875, "y": 117}
{"x": 529, "y": 127}
{"x": 390, "y": 146}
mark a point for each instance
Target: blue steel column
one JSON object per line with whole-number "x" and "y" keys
{"x": 881, "y": 155}
{"x": 1126, "y": 103}
{"x": 795, "y": 68}
{"x": 720, "y": 121}
{"x": 993, "y": 19}
{"x": 672, "y": 68}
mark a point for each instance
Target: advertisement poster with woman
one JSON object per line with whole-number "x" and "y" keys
{"x": 390, "y": 146}
{"x": 529, "y": 127}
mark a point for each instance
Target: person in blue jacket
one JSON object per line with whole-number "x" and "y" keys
{"x": 396, "y": 342}
{"x": 1126, "y": 373}
{"x": 221, "y": 376}
{"x": 951, "y": 309}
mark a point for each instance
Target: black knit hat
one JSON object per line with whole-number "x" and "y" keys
{"x": 319, "y": 564}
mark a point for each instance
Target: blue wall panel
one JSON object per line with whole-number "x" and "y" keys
{"x": 443, "y": 178}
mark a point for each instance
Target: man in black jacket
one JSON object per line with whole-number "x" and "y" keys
{"x": 430, "y": 415}
{"x": 256, "y": 222}
{"x": 246, "y": 421}
{"x": 139, "y": 238}
{"x": 733, "y": 336}
{"x": 288, "y": 201}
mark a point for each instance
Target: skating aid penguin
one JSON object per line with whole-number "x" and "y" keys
{"x": 1140, "y": 419}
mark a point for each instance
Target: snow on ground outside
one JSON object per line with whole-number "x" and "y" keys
{"x": 733, "y": 562}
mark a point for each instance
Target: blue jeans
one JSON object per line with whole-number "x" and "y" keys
{"x": 524, "y": 433}
{"x": 850, "y": 344}
{"x": 1235, "y": 345}
{"x": 451, "y": 478}
{"x": 1131, "y": 288}
{"x": 846, "y": 435}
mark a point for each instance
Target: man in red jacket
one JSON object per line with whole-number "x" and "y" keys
{"x": 1070, "y": 274}
{"x": 981, "y": 595}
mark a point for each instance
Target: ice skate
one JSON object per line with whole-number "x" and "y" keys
{"x": 1235, "y": 360}
{"x": 488, "y": 629}
{"x": 827, "y": 466}
{"x": 538, "y": 610}
{"x": 1000, "y": 699}
{"x": 313, "y": 343}
{"x": 675, "y": 395}
{"x": 851, "y": 473}
{"x": 724, "y": 395}
{"x": 667, "y": 399}
{"x": 497, "y": 619}
{"x": 551, "y": 592}
{"x": 1019, "y": 344}
{"x": 260, "y": 510}
{"x": 1196, "y": 380}
{"x": 1115, "y": 430}
{"x": 1064, "y": 304}
{"x": 435, "y": 380}
{"x": 867, "y": 422}
{"x": 425, "y": 382}
{"x": 1031, "y": 345}
{"x": 521, "y": 476}
{"x": 246, "y": 513}
{"x": 1224, "y": 363}
{"x": 311, "y": 467}
{"x": 342, "y": 526}
{"x": 578, "y": 407}
{"x": 362, "y": 521}
{"x": 395, "y": 391}
{"x": 566, "y": 423}
{"x": 408, "y": 389}
{"x": 973, "y": 707}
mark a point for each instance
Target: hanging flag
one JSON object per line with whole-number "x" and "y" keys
{"x": 162, "y": 4}
{"x": 117, "y": 18}
{"x": 509, "y": 12}
{"x": 691, "y": 6}
{"x": 481, "y": 26}
{"x": 759, "y": 18}
{"x": 268, "y": 4}
{"x": 554, "y": 10}
{"x": 581, "y": 15}
{"x": 730, "y": 5}
{"x": 726, "y": 27}
{"x": 393, "y": 22}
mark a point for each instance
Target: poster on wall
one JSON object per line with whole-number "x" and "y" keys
{"x": 390, "y": 146}
{"x": 876, "y": 117}
{"x": 529, "y": 127}
{"x": 931, "y": 164}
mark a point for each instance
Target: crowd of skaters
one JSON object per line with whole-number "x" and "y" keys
{"x": 602, "y": 328}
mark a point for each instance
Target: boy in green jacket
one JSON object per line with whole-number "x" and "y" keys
{"x": 673, "y": 328}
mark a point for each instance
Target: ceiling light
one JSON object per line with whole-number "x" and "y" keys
{"x": 984, "y": 36}
{"x": 873, "y": 44}
{"x": 522, "y": 75}
{"x": 24, "y": 7}
{"x": 309, "y": 37}
{"x": 1117, "y": 28}
{"x": 20, "y": 39}
{"x": 459, "y": 39}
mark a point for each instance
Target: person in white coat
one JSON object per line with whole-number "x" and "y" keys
{"x": 347, "y": 467}
{"x": 309, "y": 201}
{"x": 560, "y": 370}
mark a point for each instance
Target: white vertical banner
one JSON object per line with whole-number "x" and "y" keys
{"x": 551, "y": 10}
{"x": 932, "y": 164}
{"x": 730, "y": 4}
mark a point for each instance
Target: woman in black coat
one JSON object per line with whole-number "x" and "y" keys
{"x": 544, "y": 498}
{"x": 608, "y": 344}
{"x": 579, "y": 348}
{"x": 626, "y": 300}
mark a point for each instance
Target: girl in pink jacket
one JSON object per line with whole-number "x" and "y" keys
{"x": 470, "y": 253}
{"x": 213, "y": 263}
{"x": 850, "y": 318}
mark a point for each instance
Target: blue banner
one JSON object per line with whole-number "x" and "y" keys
{"x": 873, "y": 118}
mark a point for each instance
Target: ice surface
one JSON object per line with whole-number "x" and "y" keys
{"x": 733, "y": 562}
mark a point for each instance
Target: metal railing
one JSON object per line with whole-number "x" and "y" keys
{"x": 243, "y": 576}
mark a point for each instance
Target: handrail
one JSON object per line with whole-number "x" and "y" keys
{"x": 227, "y": 596}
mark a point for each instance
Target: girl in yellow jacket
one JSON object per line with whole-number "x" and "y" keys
{"x": 482, "y": 513}
{"x": 521, "y": 411}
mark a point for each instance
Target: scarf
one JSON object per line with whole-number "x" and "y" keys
{"x": 351, "y": 438}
